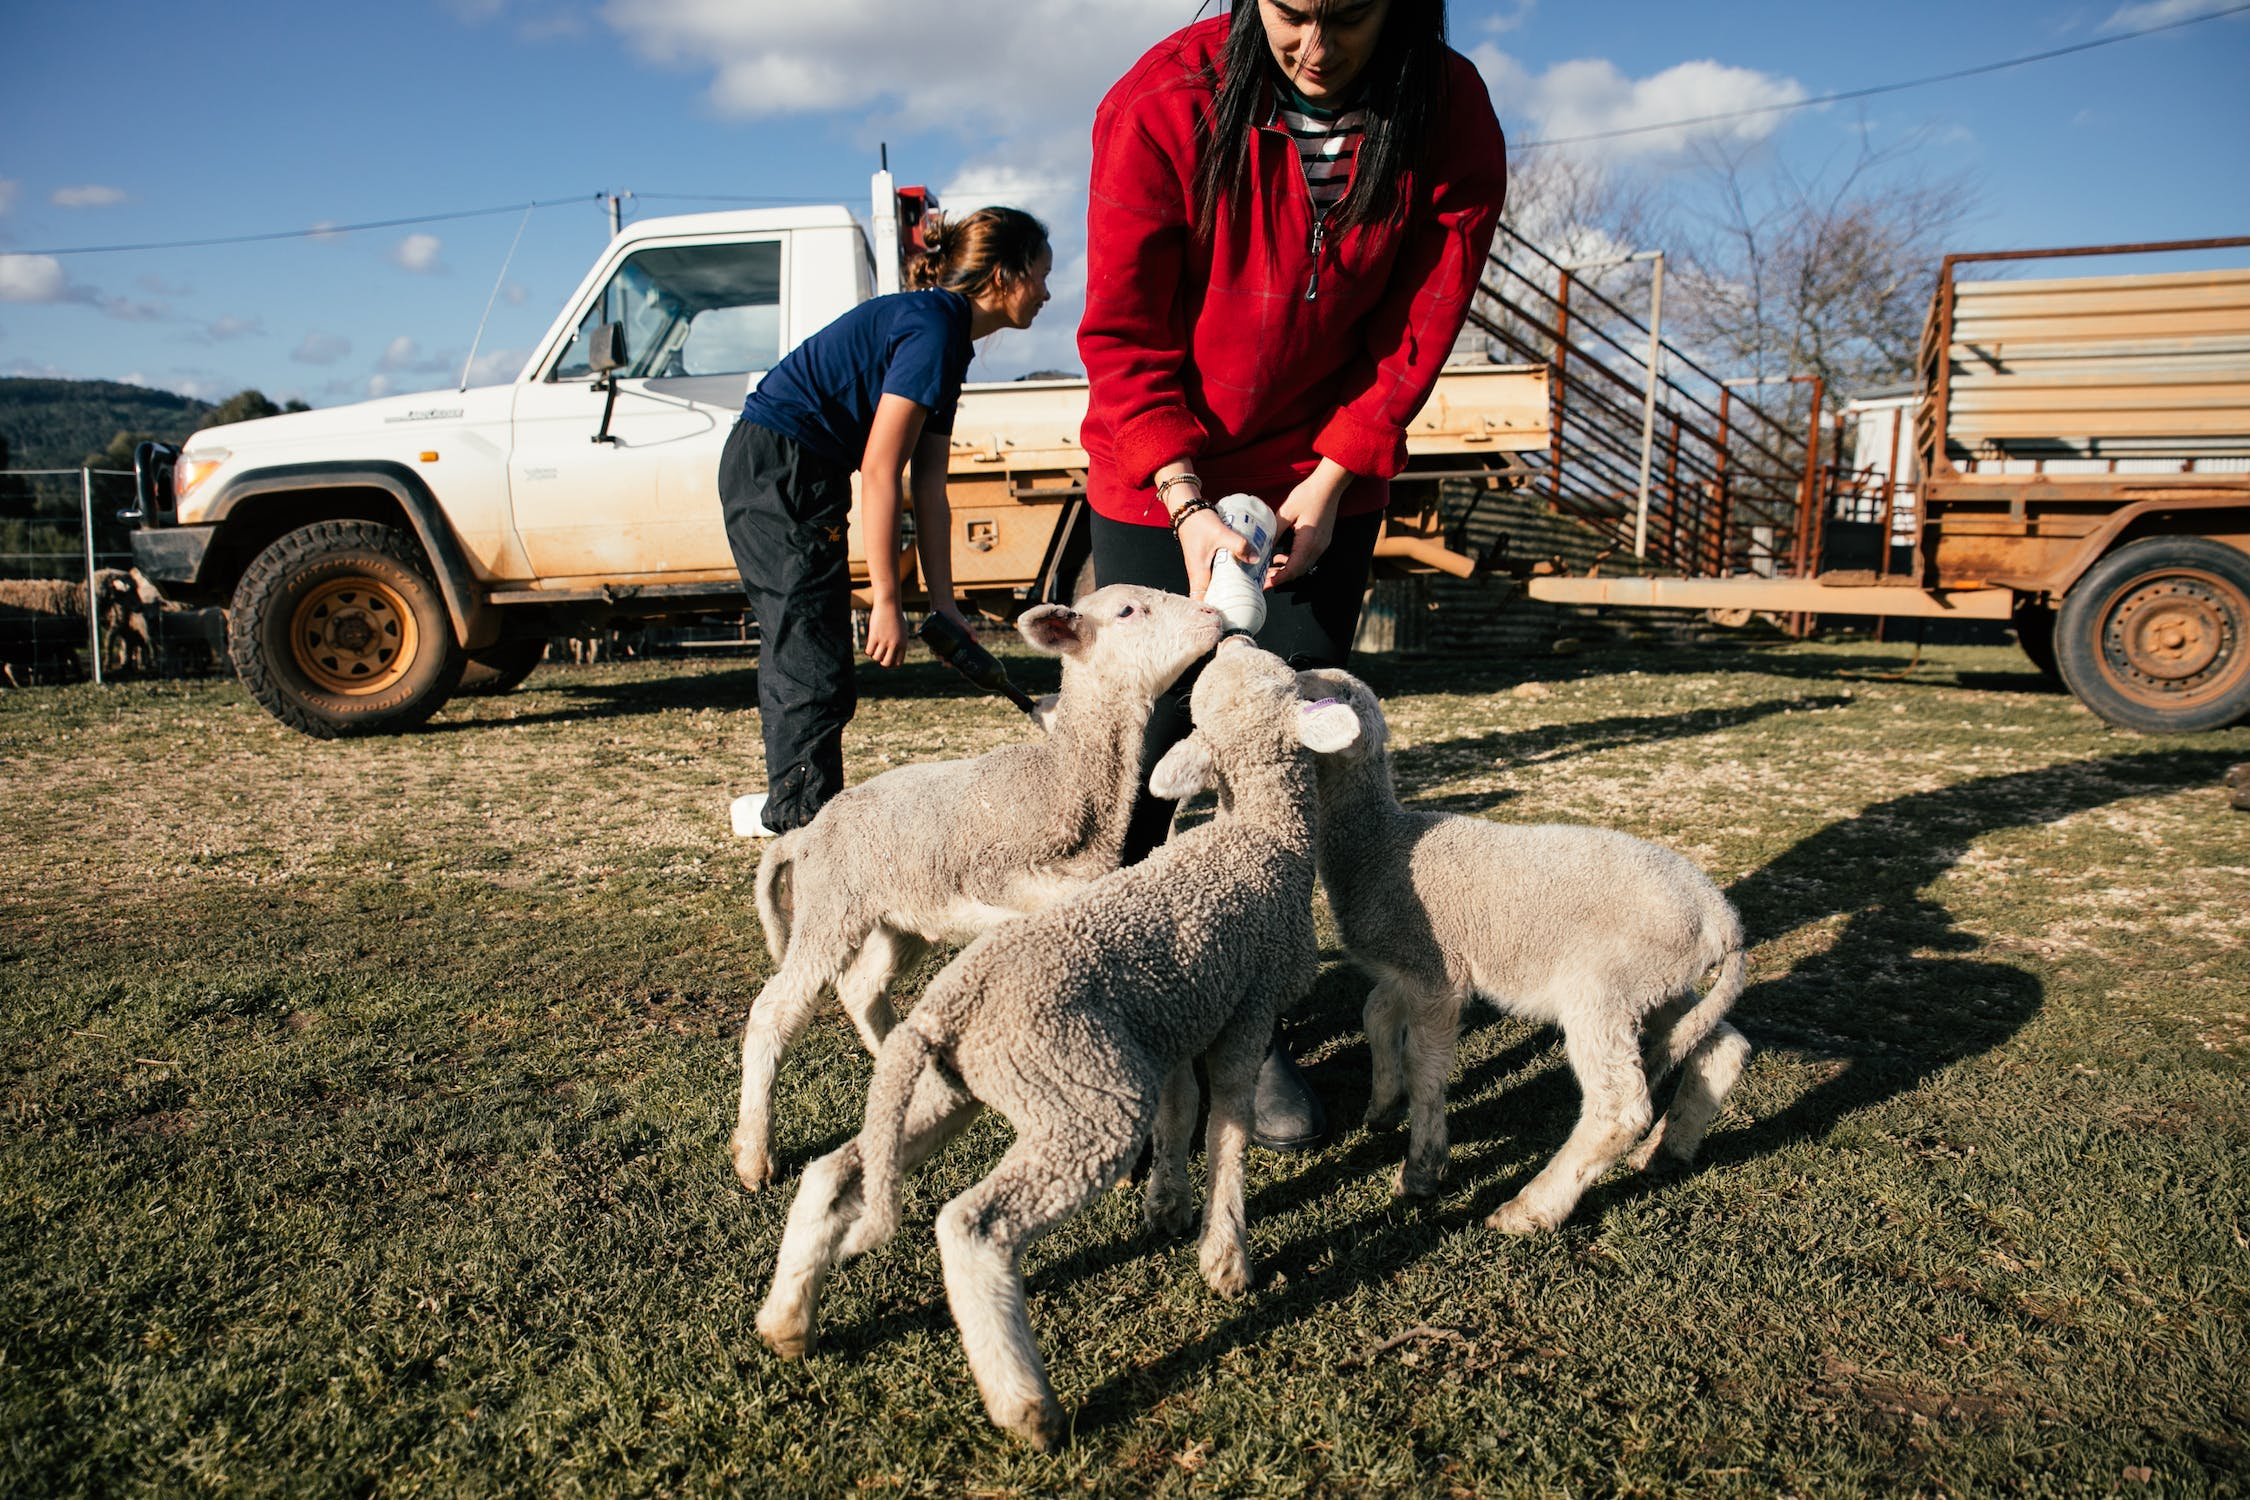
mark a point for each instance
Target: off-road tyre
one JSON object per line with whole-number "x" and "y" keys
{"x": 338, "y": 629}
{"x": 500, "y": 668}
{"x": 2156, "y": 636}
{"x": 2035, "y": 634}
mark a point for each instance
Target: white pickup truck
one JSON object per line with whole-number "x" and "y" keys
{"x": 373, "y": 558}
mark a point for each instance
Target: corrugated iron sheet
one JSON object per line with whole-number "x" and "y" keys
{"x": 2096, "y": 365}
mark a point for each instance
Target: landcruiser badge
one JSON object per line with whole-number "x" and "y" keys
{"x": 427, "y": 414}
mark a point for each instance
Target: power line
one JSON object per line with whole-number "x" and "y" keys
{"x": 1840, "y": 96}
{"x": 322, "y": 231}
{"x": 318, "y": 231}
{"x": 1880, "y": 88}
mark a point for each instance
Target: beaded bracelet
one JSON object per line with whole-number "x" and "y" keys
{"x": 1189, "y": 509}
{"x": 1164, "y": 487}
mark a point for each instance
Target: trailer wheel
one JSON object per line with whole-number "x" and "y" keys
{"x": 2035, "y": 633}
{"x": 337, "y": 629}
{"x": 2156, "y": 636}
{"x": 500, "y": 667}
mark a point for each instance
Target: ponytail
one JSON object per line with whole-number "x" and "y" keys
{"x": 969, "y": 254}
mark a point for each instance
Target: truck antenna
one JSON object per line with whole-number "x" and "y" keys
{"x": 470, "y": 363}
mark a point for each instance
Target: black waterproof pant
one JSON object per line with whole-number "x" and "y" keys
{"x": 786, "y": 512}
{"x": 1310, "y": 622}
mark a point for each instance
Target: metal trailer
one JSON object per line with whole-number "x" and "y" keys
{"x": 2081, "y": 453}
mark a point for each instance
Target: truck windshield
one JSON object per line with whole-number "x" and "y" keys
{"x": 688, "y": 310}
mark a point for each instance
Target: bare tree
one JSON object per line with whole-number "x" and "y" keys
{"x": 1828, "y": 273}
{"x": 1577, "y": 211}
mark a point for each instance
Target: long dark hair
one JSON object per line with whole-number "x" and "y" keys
{"x": 968, "y": 254}
{"x": 1402, "y": 89}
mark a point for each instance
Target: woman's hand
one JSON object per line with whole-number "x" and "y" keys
{"x": 1203, "y": 534}
{"x": 1307, "y": 519}
{"x": 886, "y": 635}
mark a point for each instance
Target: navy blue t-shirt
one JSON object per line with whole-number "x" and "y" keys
{"x": 824, "y": 393}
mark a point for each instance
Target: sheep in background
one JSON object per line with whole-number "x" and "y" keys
{"x": 1081, "y": 1024}
{"x": 1589, "y": 930}
{"x": 943, "y": 851}
{"x": 179, "y": 639}
{"x": 43, "y": 623}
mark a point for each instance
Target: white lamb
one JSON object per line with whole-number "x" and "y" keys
{"x": 943, "y": 851}
{"x": 1602, "y": 935}
{"x": 1081, "y": 1025}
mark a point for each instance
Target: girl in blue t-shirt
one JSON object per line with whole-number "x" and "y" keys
{"x": 872, "y": 391}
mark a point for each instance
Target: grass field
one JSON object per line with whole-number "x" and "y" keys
{"x": 366, "y": 1108}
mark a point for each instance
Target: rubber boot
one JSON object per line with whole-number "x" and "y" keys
{"x": 1288, "y": 1116}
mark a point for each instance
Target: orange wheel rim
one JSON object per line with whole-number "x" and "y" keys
{"x": 353, "y": 636}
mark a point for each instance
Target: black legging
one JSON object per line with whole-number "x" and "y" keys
{"x": 1310, "y": 622}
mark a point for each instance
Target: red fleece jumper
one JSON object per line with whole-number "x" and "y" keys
{"x": 1237, "y": 352}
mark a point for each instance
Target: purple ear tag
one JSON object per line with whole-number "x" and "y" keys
{"x": 1315, "y": 707}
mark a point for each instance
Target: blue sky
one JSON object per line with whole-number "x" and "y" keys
{"x": 124, "y": 123}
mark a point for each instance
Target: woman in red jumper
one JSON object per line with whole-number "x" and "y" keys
{"x": 1289, "y": 212}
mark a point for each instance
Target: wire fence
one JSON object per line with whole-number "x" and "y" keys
{"x": 68, "y": 604}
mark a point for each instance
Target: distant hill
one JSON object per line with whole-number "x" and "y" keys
{"x": 56, "y": 424}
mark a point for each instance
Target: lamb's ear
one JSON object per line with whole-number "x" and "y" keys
{"x": 1185, "y": 770}
{"x": 1055, "y": 629}
{"x": 1327, "y": 727}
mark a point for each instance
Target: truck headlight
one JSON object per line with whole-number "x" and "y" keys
{"x": 193, "y": 468}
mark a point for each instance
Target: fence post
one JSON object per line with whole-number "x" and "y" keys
{"x": 93, "y": 594}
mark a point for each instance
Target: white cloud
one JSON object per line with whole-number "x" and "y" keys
{"x": 1508, "y": 20}
{"x": 9, "y": 187}
{"x": 89, "y": 195}
{"x": 971, "y": 66}
{"x": 378, "y": 385}
{"x": 230, "y": 327}
{"x": 404, "y": 356}
{"x": 319, "y": 348}
{"x": 2146, "y": 13}
{"x": 35, "y": 279}
{"x": 41, "y": 281}
{"x": 495, "y": 366}
{"x": 418, "y": 253}
{"x": 1590, "y": 96}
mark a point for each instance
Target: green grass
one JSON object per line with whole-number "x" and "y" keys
{"x": 366, "y": 1108}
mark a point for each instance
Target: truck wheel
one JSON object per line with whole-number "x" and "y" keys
{"x": 338, "y": 629}
{"x": 2156, "y": 636}
{"x": 500, "y": 668}
{"x": 2035, "y": 633}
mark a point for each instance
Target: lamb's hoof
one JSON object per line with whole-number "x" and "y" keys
{"x": 1640, "y": 1156}
{"x": 1039, "y": 1424}
{"x": 789, "y": 1337}
{"x": 1412, "y": 1183}
{"x": 1170, "y": 1217}
{"x": 1512, "y": 1217}
{"x": 1384, "y": 1115}
{"x": 1227, "y": 1272}
{"x": 754, "y": 1167}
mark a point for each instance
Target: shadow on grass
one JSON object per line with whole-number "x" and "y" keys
{"x": 731, "y": 688}
{"x": 1890, "y": 1019}
{"x": 1839, "y": 663}
{"x": 1436, "y": 760}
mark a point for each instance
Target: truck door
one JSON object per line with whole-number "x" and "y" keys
{"x": 701, "y": 321}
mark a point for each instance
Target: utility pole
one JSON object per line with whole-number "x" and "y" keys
{"x": 1648, "y": 394}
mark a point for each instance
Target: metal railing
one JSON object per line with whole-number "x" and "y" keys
{"x": 1662, "y": 457}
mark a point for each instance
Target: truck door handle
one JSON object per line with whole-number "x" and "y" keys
{"x": 980, "y": 536}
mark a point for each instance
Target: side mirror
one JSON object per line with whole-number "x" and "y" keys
{"x": 605, "y": 355}
{"x": 605, "y": 348}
